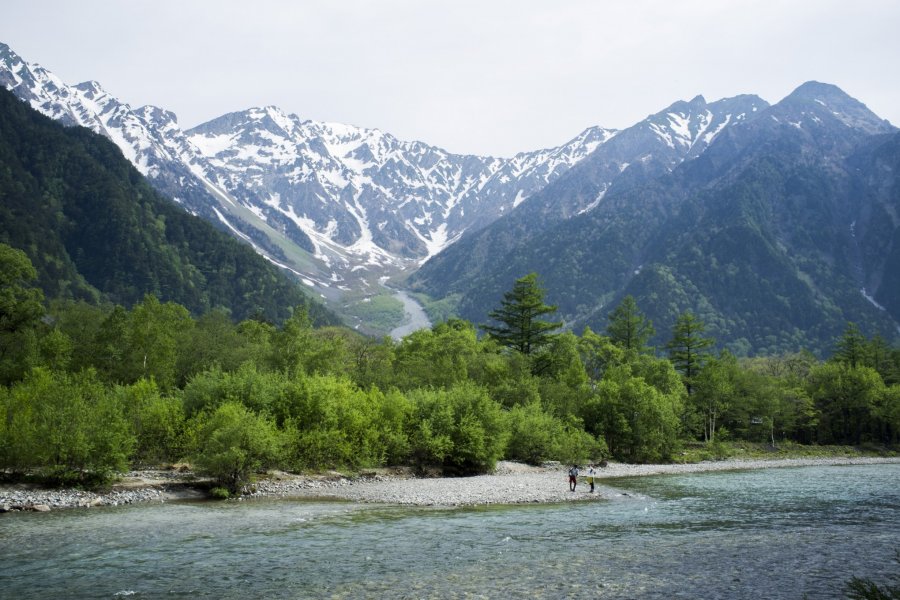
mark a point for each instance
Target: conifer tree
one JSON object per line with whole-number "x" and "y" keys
{"x": 628, "y": 327}
{"x": 687, "y": 347}
{"x": 520, "y": 315}
{"x": 851, "y": 348}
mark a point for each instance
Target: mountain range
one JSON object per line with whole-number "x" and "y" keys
{"x": 97, "y": 232}
{"x": 776, "y": 224}
{"x": 776, "y": 235}
{"x": 340, "y": 206}
{"x": 343, "y": 207}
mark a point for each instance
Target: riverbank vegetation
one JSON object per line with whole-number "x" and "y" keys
{"x": 87, "y": 391}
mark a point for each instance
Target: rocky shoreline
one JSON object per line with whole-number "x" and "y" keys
{"x": 133, "y": 488}
{"x": 511, "y": 483}
{"x": 515, "y": 483}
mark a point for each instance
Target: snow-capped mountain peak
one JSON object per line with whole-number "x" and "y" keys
{"x": 343, "y": 206}
{"x": 331, "y": 201}
{"x": 691, "y": 126}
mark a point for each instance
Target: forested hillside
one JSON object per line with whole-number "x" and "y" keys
{"x": 96, "y": 231}
{"x": 783, "y": 230}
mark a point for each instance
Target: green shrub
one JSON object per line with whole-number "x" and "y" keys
{"x": 335, "y": 424}
{"x": 460, "y": 429}
{"x": 219, "y": 493}
{"x": 639, "y": 422}
{"x": 258, "y": 391}
{"x": 66, "y": 427}
{"x": 579, "y": 446}
{"x": 235, "y": 443}
{"x": 157, "y": 421}
{"x": 719, "y": 449}
{"x": 534, "y": 436}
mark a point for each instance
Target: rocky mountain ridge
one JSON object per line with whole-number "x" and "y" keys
{"x": 337, "y": 205}
{"x": 781, "y": 231}
{"x": 344, "y": 207}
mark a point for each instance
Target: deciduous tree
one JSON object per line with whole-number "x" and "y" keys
{"x": 235, "y": 443}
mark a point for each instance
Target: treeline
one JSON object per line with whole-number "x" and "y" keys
{"x": 88, "y": 391}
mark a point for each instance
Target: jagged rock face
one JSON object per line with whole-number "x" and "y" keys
{"x": 365, "y": 192}
{"x": 329, "y": 202}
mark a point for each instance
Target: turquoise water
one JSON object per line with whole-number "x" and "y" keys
{"x": 780, "y": 533}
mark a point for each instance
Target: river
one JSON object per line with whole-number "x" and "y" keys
{"x": 416, "y": 317}
{"x": 779, "y": 533}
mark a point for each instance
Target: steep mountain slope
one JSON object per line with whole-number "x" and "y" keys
{"x": 775, "y": 224}
{"x": 95, "y": 230}
{"x": 363, "y": 199}
{"x": 779, "y": 233}
{"x": 877, "y": 230}
{"x": 341, "y": 207}
{"x": 634, "y": 156}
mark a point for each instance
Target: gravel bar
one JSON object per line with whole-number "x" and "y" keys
{"x": 511, "y": 483}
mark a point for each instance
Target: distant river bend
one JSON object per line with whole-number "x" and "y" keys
{"x": 417, "y": 319}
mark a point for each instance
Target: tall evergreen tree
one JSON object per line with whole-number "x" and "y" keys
{"x": 851, "y": 348}
{"x": 628, "y": 327}
{"x": 520, "y": 315}
{"x": 687, "y": 347}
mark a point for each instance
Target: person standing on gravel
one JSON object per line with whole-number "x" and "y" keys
{"x": 591, "y": 477}
{"x": 573, "y": 478}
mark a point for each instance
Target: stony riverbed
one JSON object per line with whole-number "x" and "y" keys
{"x": 511, "y": 483}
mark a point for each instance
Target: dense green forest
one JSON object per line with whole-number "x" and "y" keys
{"x": 88, "y": 390}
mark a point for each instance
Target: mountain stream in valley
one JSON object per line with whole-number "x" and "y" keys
{"x": 416, "y": 317}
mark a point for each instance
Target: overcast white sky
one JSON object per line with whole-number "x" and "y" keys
{"x": 486, "y": 77}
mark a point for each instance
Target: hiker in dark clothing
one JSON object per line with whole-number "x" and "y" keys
{"x": 573, "y": 478}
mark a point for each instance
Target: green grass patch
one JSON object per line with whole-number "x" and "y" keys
{"x": 438, "y": 310}
{"x": 382, "y": 312}
{"x": 693, "y": 452}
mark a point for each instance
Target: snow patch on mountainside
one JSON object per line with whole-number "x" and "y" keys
{"x": 331, "y": 200}
{"x": 871, "y": 300}
{"x": 593, "y": 204}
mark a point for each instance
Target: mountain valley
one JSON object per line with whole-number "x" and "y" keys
{"x": 776, "y": 224}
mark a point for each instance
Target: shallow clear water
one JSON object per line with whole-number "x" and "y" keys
{"x": 780, "y": 533}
